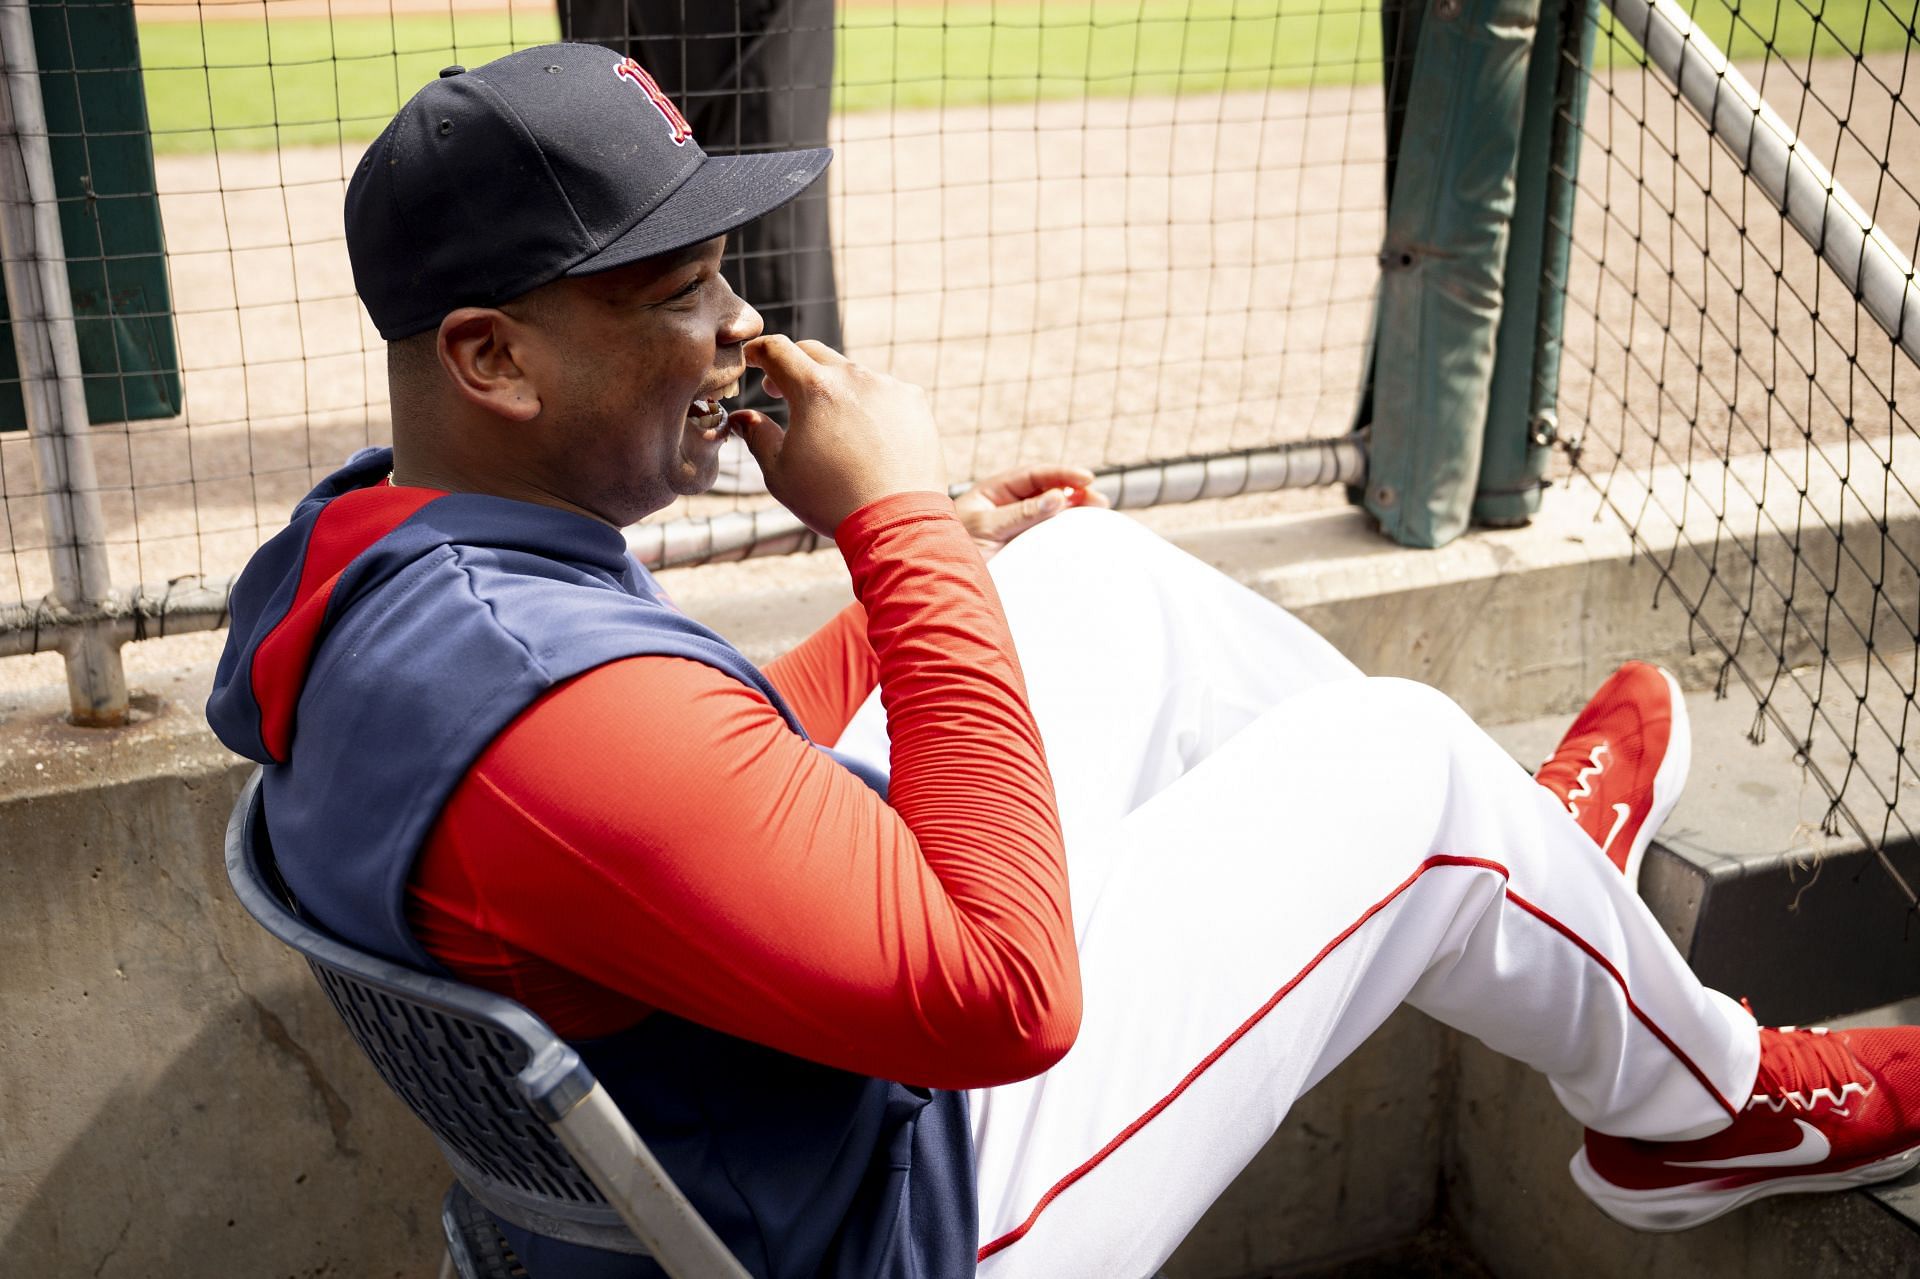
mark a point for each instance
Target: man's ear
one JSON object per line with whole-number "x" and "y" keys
{"x": 481, "y": 349}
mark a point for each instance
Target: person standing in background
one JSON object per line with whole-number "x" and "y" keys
{"x": 749, "y": 75}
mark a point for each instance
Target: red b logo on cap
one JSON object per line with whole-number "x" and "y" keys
{"x": 628, "y": 69}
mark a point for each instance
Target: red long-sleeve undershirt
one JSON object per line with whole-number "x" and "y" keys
{"x": 826, "y": 677}
{"x": 651, "y": 835}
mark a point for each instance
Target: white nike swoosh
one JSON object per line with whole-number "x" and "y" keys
{"x": 1620, "y": 814}
{"x": 1813, "y": 1149}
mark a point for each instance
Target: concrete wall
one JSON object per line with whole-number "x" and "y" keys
{"x": 1354, "y": 1166}
{"x": 175, "y": 1096}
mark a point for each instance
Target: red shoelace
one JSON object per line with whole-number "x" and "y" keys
{"x": 1559, "y": 773}
{"x": 1798, "y": 1060}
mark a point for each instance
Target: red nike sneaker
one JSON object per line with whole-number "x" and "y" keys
{"x": 1620, "y": 767}
{"x": 1830, "y": 1109}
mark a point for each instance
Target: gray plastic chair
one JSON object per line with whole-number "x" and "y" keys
{"x": 529, "y": 1133}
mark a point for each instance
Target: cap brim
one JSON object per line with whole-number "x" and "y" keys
{"x": 725, "y": 192}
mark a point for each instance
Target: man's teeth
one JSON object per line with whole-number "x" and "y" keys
{"x": 709, "y": 412}
{"x": 709, "y": 417}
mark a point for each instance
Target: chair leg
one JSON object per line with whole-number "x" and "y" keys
{"x": 475, "y": 1246}
{"x": 455, "y": 1215}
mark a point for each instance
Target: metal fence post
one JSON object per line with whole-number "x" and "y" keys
{"x": 50, "y": 375}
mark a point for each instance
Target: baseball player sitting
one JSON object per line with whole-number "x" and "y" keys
{"x": 997, "y": 924}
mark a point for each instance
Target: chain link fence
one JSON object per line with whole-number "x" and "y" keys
{"x": 1739, "y": 369}
{"x": 1115, "y": 234}
{"x": 1129, "y": 235}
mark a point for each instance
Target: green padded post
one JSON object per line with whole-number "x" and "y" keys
{"x": 1443, "y": 263}
{"x": 1522, "y": 410}
{"x": 89, "y": 56}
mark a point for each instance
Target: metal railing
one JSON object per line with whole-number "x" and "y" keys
{"x": 200, "y": 603}
{"x": 50, "y": 375}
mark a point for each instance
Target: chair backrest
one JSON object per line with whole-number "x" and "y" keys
{"x": 485, "y": 1075}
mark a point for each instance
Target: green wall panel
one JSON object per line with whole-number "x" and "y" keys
{"x": 89, "y": 55}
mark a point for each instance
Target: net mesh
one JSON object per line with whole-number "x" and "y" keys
{"x": 1737, "y": 408}
{"x": 1101, "y": 233}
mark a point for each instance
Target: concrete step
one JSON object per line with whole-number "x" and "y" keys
{"x": 1808, "y": 926}
{"x": 1508, "y": 1195}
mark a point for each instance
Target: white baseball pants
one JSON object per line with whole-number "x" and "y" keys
{"x": 1268, "y": 853}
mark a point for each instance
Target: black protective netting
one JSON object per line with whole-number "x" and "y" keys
{"x": 1102, "y": 232}
{"x": 1738, "y": 408}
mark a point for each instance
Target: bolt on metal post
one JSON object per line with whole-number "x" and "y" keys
{"x": 51, "y": 378}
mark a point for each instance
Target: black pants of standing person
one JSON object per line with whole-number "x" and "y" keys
{"x": 750, "y": 75}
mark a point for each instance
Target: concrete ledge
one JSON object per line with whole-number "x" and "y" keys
{"x": 1513, "y": 623}
{"x": 1516, "y": 623}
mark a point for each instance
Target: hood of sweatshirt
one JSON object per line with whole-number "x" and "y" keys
{"x": 350, "y": 540}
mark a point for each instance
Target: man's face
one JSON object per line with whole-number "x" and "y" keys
{"x": 620, "y": 358}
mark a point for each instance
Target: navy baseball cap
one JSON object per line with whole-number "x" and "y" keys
{"x": 565, "y": 159}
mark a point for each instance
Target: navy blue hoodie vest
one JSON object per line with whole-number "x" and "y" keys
{"x": 428, "y": 642}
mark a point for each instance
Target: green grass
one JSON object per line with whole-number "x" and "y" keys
{"x": 290, "y": 81}
{"x": 1750, "y": 30}
{"x": 308, "y": 80}
{"x": 946, "y": 55}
